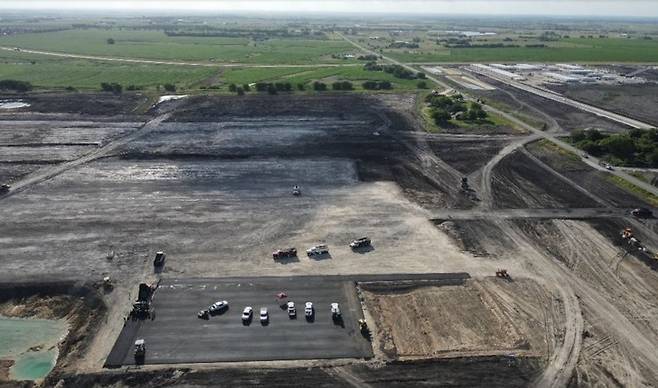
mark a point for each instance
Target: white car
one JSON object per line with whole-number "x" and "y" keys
{"x": 308, "y": 309}
{"x": 218, "y": 307}
{"x": 247, "y": 314}
{"x": 317, "y": 250}
{"x": 335, "y": 310}
{"x": 292, "y": 311}
{"x": 264, "y": 316}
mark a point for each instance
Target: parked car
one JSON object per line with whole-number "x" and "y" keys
{"x": 335, "y": 311}
{"x": 264, "y": 316}
{"x": 308, "y": 310}
{"x": 317, "y": 250}
{"x": 247, "y": 314}
{"x": 284, "y": 253}
{"x": 360, "y": 243}
{"x": 292, "y": 311}
{"x": 218, "y": 307}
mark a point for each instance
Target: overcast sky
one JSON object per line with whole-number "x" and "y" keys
{"x": 644, "y": 8}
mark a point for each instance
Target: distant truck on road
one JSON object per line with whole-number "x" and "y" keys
{"x": 159, "y": 259}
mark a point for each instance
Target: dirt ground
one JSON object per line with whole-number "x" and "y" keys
{"x": 637, "y": 101}
{"x": 483, "y": 317}
{"x": 209, "y": 182}
{"x": 567, "y": 117}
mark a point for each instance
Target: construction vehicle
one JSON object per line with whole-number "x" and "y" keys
{"x": 284, "y": 253}
{"x": 107, "y": 284}
{"x": 642, "y": 212}
{"x": 142, "y": 306}
{"x": 296, "y": 191}
{"x": 140, "y": 351}
{"x": 360, "y": 243}
{"x": 4, "y": 189}
{"x": 204, "y": 314}
{"x": 465, "y": 186}
{"x": 502, "y": 273}
{"x": 363, "y": 327}
{"x": 631, "y": 240}
{"x": 159, "y": 259}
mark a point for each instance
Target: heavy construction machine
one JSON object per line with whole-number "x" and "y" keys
{"x": 4, "y": 189}
{"x": 140, "y": 351}
{"x": 628, "y": 236}
{"x": 502, "y": 273}
{"x": 363, "y": 327}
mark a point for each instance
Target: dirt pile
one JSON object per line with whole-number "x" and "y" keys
{"x": 482, "y": 317}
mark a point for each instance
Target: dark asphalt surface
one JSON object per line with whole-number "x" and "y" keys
{"x": 176, "y": 335}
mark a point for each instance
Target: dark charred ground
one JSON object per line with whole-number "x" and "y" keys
{"x": 468, "y": 372}
{"x": 568, "y": 117}
{"x": 636, "y": 101}
{"x": 520, "y": 183}
{"x": 592, "y": 180}
{"x": 336, "y": 126}
{"x": 103, "y": 106}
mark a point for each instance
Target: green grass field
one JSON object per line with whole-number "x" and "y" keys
{"x": 156, "y": 45}
{"x": 598, "y": 50}
{"x": 49, "y": 72}
{"x": 306, "y": 75}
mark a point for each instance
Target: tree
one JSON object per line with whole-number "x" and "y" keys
{"x": 621, "y": 146}
{"x": 421, "y": 75}
{"x": 652, "y": 158}
{"x": 385, "y": 85}
{"x": 18, "y": 86}
{"x": 440, "y": 116}
{"x": 240, "y": 91}
{"x": 271, "y": 89}
{"x": 246, "y": 87}
{"x": 112, "y": 87}
{"x": 319, "y": 86}
{"x": 421, "y": 85}
{"x": 301, "y": 86}
{"x": 169, "y": 87}
{"x": 110, "y": 41}
{"x": 232, "y": 88}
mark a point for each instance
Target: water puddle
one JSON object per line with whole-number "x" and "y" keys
{"x": 13, "y": 104}
{"x": 29, "y": 346}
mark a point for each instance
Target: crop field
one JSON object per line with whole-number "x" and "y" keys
{"x": 157, "y": 45}
{"x": 593, "y": 50}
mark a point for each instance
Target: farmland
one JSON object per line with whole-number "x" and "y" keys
{"x": 156, "y": 45}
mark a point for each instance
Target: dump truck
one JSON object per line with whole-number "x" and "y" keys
{"x": 296, "y": 191}
{"x": 4, "y": 189}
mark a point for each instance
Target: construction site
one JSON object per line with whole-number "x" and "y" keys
{"x": 172, "y": 241}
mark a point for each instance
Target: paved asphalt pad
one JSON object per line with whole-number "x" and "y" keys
{"x": 177, "y": 335}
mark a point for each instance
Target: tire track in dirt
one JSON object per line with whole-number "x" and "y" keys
{"x": 47, "y": 173}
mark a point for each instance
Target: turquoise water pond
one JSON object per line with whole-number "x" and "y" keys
{"x": 32, "y": 344}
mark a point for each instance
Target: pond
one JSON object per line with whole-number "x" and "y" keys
{"x": 31, "y": 344}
